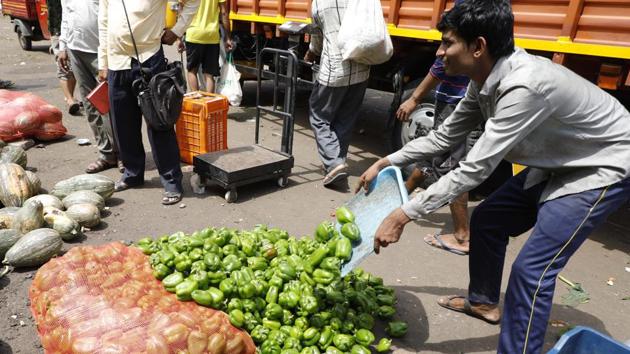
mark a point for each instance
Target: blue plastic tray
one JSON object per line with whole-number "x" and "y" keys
{"x": 387, "y": 192}
{"x": 584, "y": 340}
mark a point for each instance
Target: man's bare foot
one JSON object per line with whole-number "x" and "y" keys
{"x": 448, "y": 242}
{"x": 485, "y": 312}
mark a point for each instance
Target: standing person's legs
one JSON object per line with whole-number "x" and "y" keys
{"x": 347, "y": 114}
{"x": 67, "y": 81}
{"x": 164, "y": 147}
{"x": 194, "y": 54}
{"x": 127, "y": 122}
{"x": 324, "y": 103}
{"x": 84, "y": 66}
{"x": 210, "y": 65}
{"x": 563, "y": 225}
{"x": 509, "y": 211}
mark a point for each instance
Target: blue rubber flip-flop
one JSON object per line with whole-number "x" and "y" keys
{"x": 443, "y": 246}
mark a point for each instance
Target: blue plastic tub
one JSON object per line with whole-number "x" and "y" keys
{"x": 387, "y": 192}
{"x": 584, "y": 340}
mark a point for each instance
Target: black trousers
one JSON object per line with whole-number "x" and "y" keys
{"x": 127, "y": 122}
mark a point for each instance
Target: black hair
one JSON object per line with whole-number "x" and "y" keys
{"x": 490, "y": 19}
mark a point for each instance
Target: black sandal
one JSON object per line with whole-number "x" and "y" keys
{"x": 171, "y": 198}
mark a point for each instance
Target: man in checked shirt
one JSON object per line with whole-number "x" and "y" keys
{"x": 338, "y": 91}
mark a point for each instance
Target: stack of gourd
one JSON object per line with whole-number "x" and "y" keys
{"x": 32, "y": 225}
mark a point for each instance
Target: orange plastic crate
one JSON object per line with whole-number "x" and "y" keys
{"x": 202, "y": 125}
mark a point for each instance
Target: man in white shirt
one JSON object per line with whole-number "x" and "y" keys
{"x": 117, "y": 63}
{"x": 338, "y": 91}
{"x": 78, "y": 45}
{"x": 573, "y": 136}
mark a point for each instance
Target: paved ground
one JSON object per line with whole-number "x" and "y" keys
{"x": 419, "y": 273}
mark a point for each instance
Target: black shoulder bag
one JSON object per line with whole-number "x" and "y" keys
{"x": 160, "y": 97}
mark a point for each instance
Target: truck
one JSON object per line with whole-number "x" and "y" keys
{"x": 29, "y": 18}
{"x": 591, "y": 37}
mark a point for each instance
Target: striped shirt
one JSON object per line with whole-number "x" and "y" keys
{"x": 451, "y": 89}
{"x": 333, "y": 72}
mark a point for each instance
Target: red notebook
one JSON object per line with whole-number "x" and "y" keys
{"x": 99, "y": 98}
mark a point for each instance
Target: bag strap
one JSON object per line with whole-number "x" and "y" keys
{"x": 133, "y": 40}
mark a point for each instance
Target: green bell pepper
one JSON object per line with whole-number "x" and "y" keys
{"x": 270, "y": 347}
{"x": 310, "y": 336}
{"x": 295, "y": 348}
{"x": 229, "y": 249}
{"x": 301, "y": 323}
{"x": 249, "y": 305}
{"x": 198, "y": 266}
{"x": 385, "y": 312}
{"x": 272, "y": 295}
{"x": 216, "y": 277}
{"x": 331, "y": 264}
{"x": 196, "y": 254}
{"x": 217, "y": 297}
{"x": 201, "y": 277}
{"x": 184, "y": 264}
{"x": 324, "y": 231}
{"x": 257, "y": 263}
{"x": 184, "y": 289}
{"x": 344, "y": 249}
{"x": 333, "y": 350}
{"x": 344, "y": 215}
{"x": 310, "y": 350}
{"x": 364, "y": 337}
{"x": 315, "y": 258}
{"x": 351, "y": 231}
{"x": 231, "y": 262}
{"x": 306, "y": 279}
{"x": 212, "y": 261}
{"x": 276, "y": 281}
{"x": 286, "y": 272}
{"x": 388, "y": 300}
{"x": 247, "y": 291}
{"x": 321, "y": 276}
{"x": 335, "y": 324}
{"x": 235, "y": 304}
{"x": 288, "y": 299}
{"x": 237, "y": 318}
{"x": 397, "y": 328}
{"x": 227, "y": 286}
{"x": 325, "y": 338}
{"x": 273, "y": 311}
{"x": 308, "y": 304}
{"x": 292, "y": 344}
{"x": 259, "y": 334}
{"x": 287, "y": 317}
{"x": 365, "y": 320}
{"x": 384, "y": 345}
{"x": 172, "y": 280}
{"x": 343, "y": 341}
{"x": 202, "y": 297}
{"x": 161, "y": 271}
{"x": 271, "y": 324}
{"x": 359, "y": 349}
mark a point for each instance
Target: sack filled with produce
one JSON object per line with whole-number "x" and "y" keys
{"x": 25, "y": 115}
{"x": 105, "y": 299}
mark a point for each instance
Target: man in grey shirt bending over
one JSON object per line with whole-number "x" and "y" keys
{"x": 573, "y": 137}
{"x": 78, "y": 47}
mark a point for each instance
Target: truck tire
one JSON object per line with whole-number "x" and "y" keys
{"x": 25, "y": 42}
{"x": 420, "y": 121}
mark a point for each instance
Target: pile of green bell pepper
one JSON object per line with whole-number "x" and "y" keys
{"x": 288, "y": 293}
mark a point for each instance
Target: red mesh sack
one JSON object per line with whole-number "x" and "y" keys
{"x": 25, "y": 115}
{"x": 105, "y": 300}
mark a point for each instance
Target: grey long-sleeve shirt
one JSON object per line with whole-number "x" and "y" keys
{"x": 539, "y": 114}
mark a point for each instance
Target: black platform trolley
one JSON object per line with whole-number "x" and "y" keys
{"x": 245, "y": 165}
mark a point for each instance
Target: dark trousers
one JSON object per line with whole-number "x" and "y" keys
{"x": 127, "y": 121}
{"x": 560, "y": 226}
{"x": 333, "y": 113}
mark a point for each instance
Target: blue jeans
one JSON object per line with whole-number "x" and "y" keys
{"x": 127, "y": 121}
{"x": 560, "y": 226}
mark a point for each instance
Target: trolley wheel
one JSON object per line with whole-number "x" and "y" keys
{"x": 25, "y": 42}
{"x": 283, "y": 181}
{"x": 231, "y": 196}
